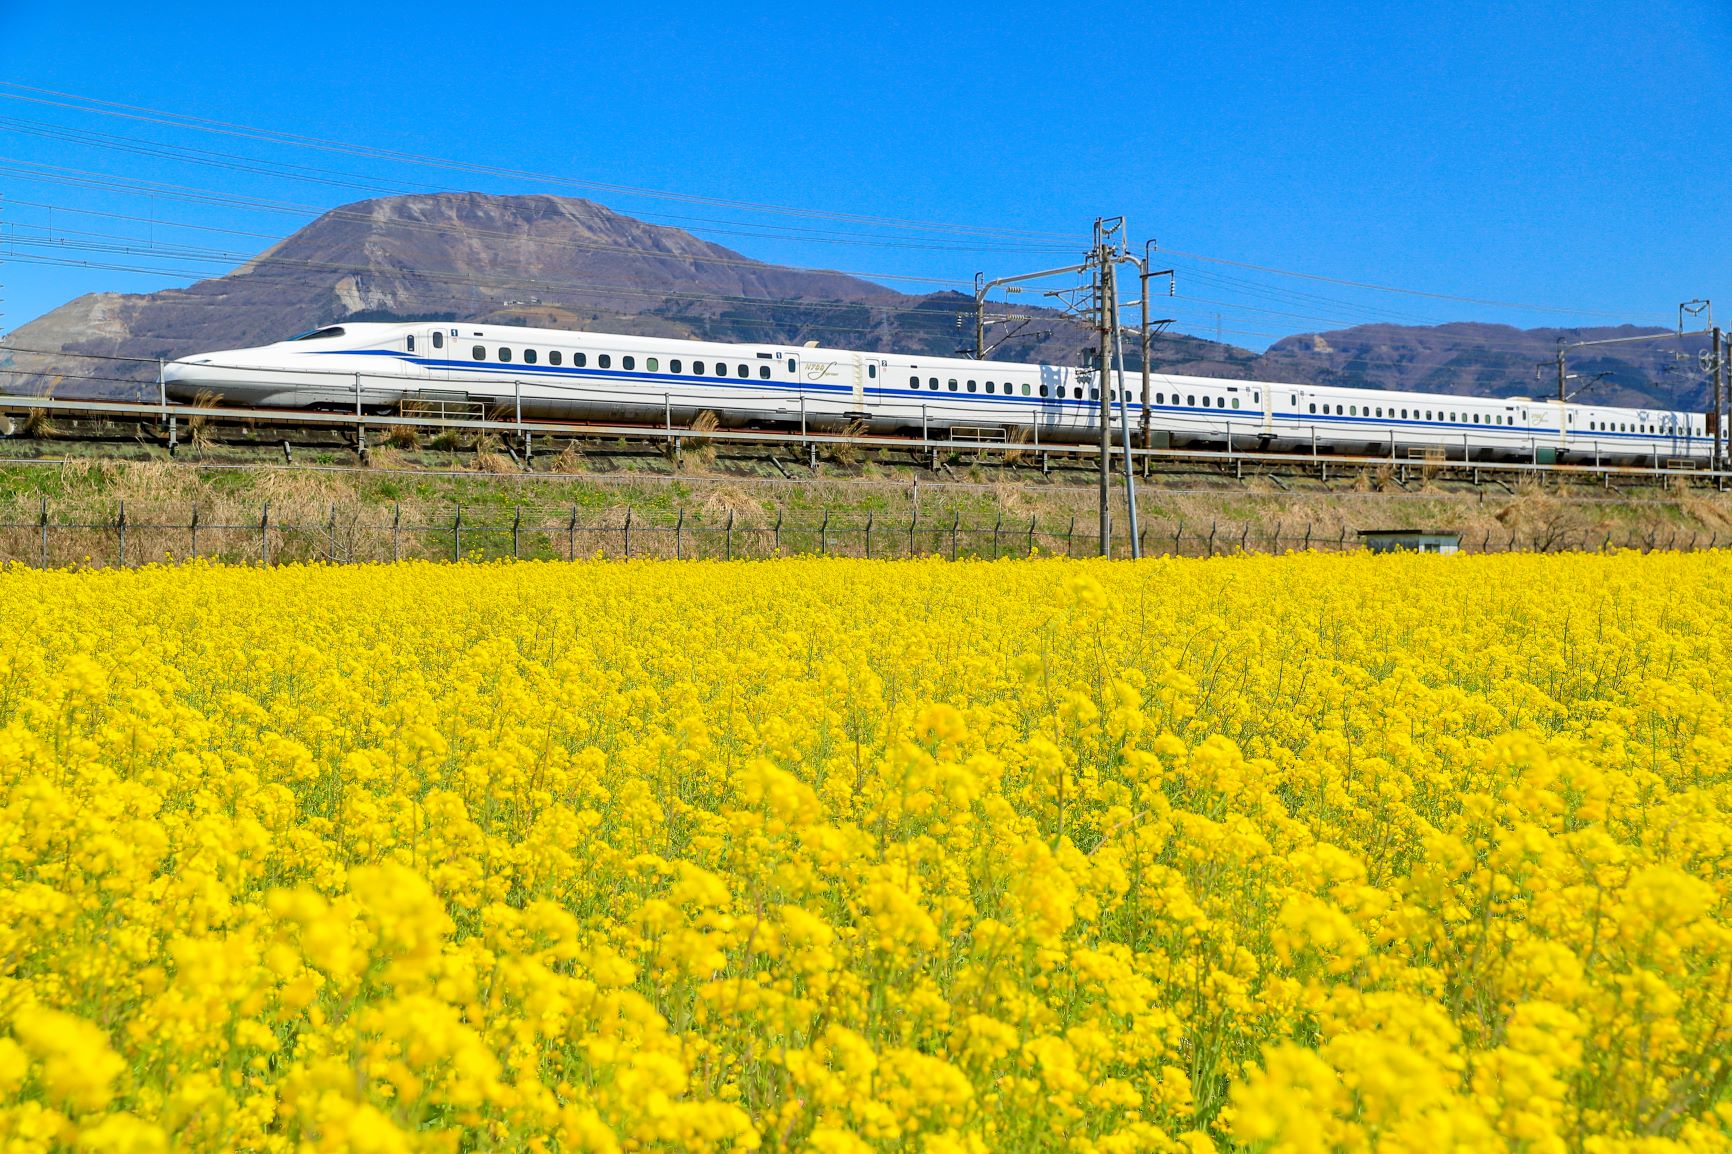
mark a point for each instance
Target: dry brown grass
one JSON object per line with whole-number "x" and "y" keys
{"x": 701, "y": 453}
{"x": 404, "y": 437}
{"x": 842, "y": 453}
{"x": 749, "y": 512}
{"x": 38, "y": 424}
{"x": 569, "y": 459}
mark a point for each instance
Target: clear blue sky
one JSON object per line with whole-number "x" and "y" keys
{"x": 1568, "y": 155}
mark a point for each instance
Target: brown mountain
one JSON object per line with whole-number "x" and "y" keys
{"x": 567, "y": 263}
{"x": 533, "y": 260}
{"x": 1497, "y": 360}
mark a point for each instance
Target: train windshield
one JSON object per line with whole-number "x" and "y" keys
{"x": 319, "y": 334}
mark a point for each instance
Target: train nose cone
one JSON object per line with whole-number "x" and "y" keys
{"x": 183, "y": 379}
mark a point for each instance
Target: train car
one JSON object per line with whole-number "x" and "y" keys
{"x": 553, "y": 374}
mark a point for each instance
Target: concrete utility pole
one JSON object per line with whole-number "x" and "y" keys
{"x": 1720, "y": 399}
{"x": 1106, "y": 309}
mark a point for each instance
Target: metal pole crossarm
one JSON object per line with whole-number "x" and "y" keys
{"x": 983, "y": 286}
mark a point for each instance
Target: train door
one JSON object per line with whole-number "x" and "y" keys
{"x": 425, "y": 346}
{"x": 857, "y": 396}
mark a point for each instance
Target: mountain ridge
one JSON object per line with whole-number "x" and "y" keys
{"x": 565, "y": 262}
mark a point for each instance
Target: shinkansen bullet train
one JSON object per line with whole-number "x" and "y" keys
{"x": 549, "y": 373}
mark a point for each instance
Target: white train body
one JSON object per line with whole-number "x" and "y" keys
{"x": 551, "y": 374}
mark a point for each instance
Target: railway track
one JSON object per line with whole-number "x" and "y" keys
{"x": 171, "y": 425}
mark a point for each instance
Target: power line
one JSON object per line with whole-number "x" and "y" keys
{"x": 1390, "y": 288}
{"x": 141, "y": 113}
{"x": 84, "y": 178}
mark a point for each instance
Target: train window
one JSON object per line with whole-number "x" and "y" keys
{"x": 1042, "y": 390}
{"x": 1353, "y": 410}
{"x": 990, "y": 387}
{"x": 676, "y": 366}
{"x": 319, "y": 334}
{"x": 504, "y": 354}
{"x": 764, "y": 371}
{"x": 529, "y": 356}
{"x": 603, "y": 361}
{"x": 555, "y": 357}
{"x": 1314, "y": 406}
{"x": 1337, "y": 410}
{"x": 1205, "y": 400}
{"x": 579, "y": 359}
{"x": 743, "y": 371}
{"x": 1476, "y": 418}
{"x": 971, "y": 386}
{"x": 1160, "y": 398}
{"x": 1094, "y": 394}
{"x": 655, "y": 366}
{"x": 914, "y": 382}
{"x": 932, "y": 382}
{"x": 628, "y": 362}
{"x": 1235, "y": 402}
{"x": 1025, "y": 389}
{"x": 872, "y": 371}
{"x": 952, "y": 384}
{"x": 1255, "y": 397}
{"x": 410, "y": 347}
{"x": 479, "y": 352}
{"x": 1190, "y": 400}
{"x": 793, "y": 365}
{"x": 438, "y": 340}
{"x": 697, "y": 368}
{"x": 721, "y": 369}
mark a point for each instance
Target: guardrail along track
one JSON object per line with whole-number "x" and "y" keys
{"x": 49, "y": 420}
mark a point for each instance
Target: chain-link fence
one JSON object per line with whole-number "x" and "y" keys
{"x": 375, "y": 534}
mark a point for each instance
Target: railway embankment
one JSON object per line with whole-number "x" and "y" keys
{"x": 99, "y": 508}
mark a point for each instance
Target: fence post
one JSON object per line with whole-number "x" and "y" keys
{"x": 729, "y": 545}
{"x": 331, "y": 533}
{"x": 915, "y": 519}
{"x": 516, "y": 532}
{"x": 996, "y": 526}
{"x": 680, "y": 535}
{"x": 1245, "y": 538}
{"x": 1068, "y": 535}
{"x": 778, "y": 532}
{"x": 628, "y": 532}
{"x": 1212, "y": 528}
{"x": 571, "y": 535}
{"x": 824, "y": 534}
{"x": 1341, "y": 544}
{"x": 396, "y": 532}
{"x": 120, "y": 524}
{"x": 955, "y": 521}
{"x": 42, "y": 520}
{"x": 868, "y": 534}
{"x": 195, "y": 529}
{"x": 1308, "y": 537}
{"x": 457, "y": 533}
{"x": 1031, "y": 535}
{"x": 265, "y": 537}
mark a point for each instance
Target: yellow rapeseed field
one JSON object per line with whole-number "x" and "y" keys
{"x": 1298, "y": 853}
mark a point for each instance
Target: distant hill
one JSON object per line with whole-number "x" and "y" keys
{"x": 532, "y": 260}
{"x": 1496, "y": 360}
{"x": 568, "y": 263}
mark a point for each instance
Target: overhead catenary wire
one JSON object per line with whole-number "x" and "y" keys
{"x": 1329, "y": 311}
{"x": 141, "y": 113}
